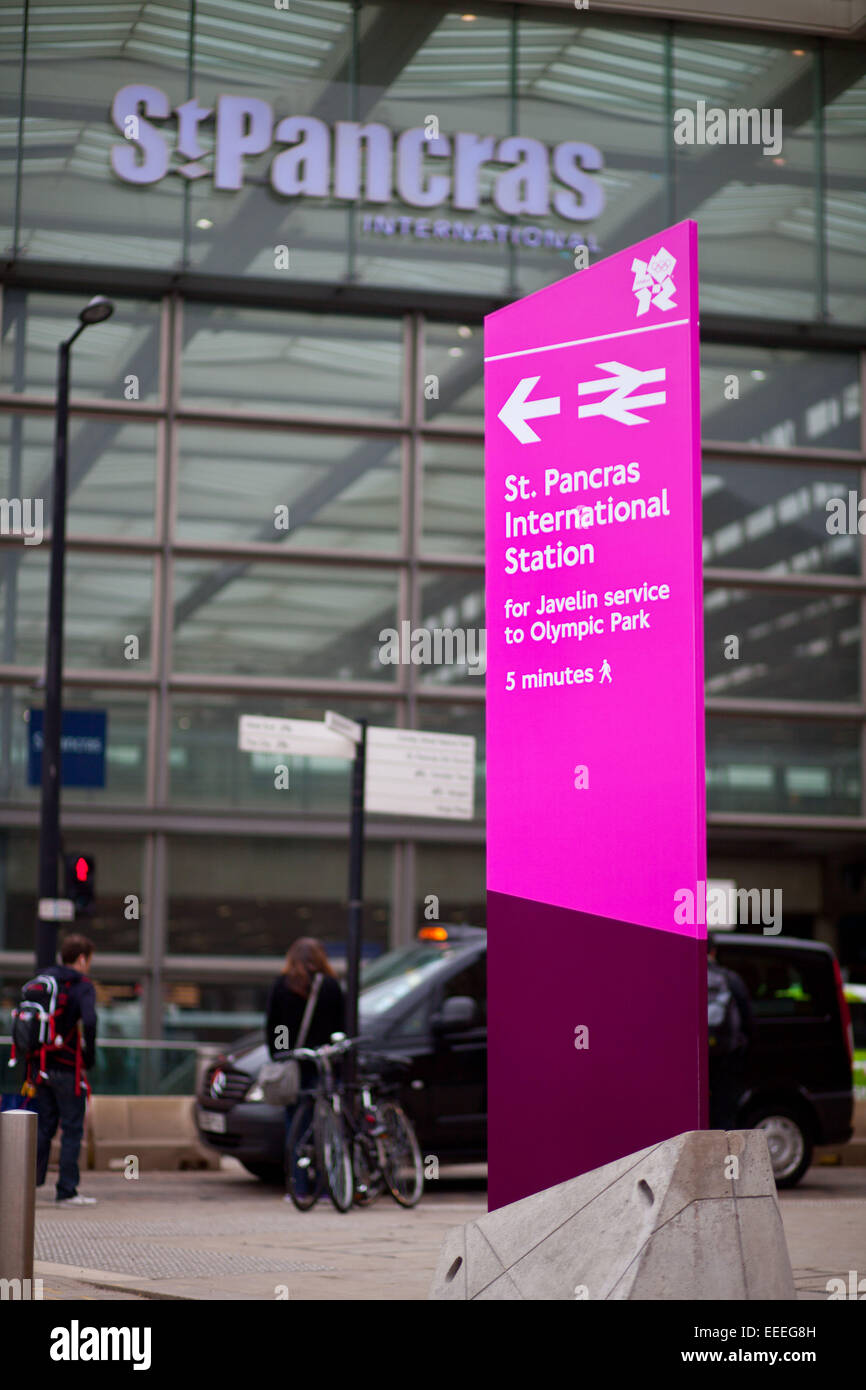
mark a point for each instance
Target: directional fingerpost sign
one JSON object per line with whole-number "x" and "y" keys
{"x": 339, "y": 724}
{"x": 595, "y": 756}
{"x": 397, "y": 772}
{"x": 300, "y": 738}
{"x": 410, "y": 773}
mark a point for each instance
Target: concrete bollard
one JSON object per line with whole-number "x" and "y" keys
{"x": 18, "y": 1130}
{"x": 695, "y": 1217}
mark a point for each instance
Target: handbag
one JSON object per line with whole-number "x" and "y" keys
{"x": 281, "y": 1081}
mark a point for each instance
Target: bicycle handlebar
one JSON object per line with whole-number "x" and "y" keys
{"x": 370, "y": 1060}
{"x": 315, "y": 1054}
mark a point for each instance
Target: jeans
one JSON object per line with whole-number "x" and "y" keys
{"x": 300, "y": 1174}
{"x": 56, "y": 1101}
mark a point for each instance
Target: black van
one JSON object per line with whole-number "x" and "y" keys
{"x": 798, "y": 1084}
{"x": 428, "y": 1002}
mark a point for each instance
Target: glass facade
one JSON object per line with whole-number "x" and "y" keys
{"x": 269, "y": 186}
{"x": 263, "y": 480}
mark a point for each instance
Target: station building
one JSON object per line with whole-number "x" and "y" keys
{"x": 302, "y": 213}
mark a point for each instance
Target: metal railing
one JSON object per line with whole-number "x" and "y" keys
{"x": 133, "y": 1067}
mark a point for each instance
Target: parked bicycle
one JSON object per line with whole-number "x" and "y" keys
{"x": 347, "y": 1137}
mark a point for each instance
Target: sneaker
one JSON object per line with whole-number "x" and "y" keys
{"x": 76, "y": 1201}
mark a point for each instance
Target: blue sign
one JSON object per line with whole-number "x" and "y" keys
{"x": 82, "y": 748}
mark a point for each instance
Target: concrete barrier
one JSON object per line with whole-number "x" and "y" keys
{"x": 159, "y": 1130}
{"x": 695, "y": 1217}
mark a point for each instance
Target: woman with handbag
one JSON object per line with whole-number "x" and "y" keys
{"x": 305, "y": 1007}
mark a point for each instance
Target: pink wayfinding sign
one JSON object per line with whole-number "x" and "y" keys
{"x": 595, "y": 717}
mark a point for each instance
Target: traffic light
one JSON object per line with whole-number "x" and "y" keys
{"x": 80, "y": 880}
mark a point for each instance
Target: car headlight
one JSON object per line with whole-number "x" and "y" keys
{"x": 255, "y": 1093}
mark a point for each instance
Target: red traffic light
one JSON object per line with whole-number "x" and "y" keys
{"x": 80, "y": 881}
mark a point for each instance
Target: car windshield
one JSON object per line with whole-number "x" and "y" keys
{"x": 394, "y": 975}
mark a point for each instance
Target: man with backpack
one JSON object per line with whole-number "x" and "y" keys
{"x": 730, "y": 1028}
{"x": 54, "y": 1033}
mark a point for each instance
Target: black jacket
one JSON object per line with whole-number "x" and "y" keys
{"x": 80, "y": 1007}
{"x": 285, "y": 1008}
{"x": 744, "y": 1004}
{"x": 744, "y": 1007}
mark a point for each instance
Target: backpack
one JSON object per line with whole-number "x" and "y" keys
{"x": 36, "y": 1027}
{"x": 725, "y": 1024}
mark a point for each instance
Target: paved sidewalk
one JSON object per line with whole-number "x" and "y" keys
{"x": 825, "y": 1227}
{"x": 223, "y": 1235}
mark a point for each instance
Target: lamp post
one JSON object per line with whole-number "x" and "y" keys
{"x": 96, "y": 311}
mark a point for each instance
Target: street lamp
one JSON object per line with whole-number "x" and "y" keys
{"x": 97, "y": 311}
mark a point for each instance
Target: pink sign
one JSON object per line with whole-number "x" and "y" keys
{"x": 595, "y": 733}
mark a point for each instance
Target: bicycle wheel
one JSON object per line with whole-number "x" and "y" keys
{"x": 403, "y": 1166}
{"x": 333, "y": 1154}
{"x": 367, "y": 1170}
{"x": 303, "y": 1173}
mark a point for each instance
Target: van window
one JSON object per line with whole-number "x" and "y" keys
{"x": 779, "y": 985}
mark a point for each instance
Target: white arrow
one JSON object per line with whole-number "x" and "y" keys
{"x": 517, "y": 410}
{"x": 624, "y": 379}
